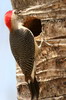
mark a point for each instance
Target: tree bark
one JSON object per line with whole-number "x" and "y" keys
{"x": 51, "y": 63}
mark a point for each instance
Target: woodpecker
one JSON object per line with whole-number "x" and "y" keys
{"x": 24, "y": 49}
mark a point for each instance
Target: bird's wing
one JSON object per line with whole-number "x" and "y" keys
{"x": 23, "y": 49}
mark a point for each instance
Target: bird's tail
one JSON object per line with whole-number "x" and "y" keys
{"x": 34, "y": 89}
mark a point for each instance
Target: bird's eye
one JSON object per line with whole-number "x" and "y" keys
{"x": 15, "y": 12}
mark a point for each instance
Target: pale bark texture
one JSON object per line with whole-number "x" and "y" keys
{"x": 51, "y": 62}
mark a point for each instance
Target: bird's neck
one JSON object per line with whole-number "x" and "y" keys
{"x": 16, "y": 24}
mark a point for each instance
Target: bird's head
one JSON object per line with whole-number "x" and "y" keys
{"x": 10, "y": 19}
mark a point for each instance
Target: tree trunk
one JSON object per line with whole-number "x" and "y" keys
{"x": 51, "y": 63}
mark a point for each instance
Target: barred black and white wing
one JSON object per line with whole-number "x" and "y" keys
{"x": 23, "y": 49}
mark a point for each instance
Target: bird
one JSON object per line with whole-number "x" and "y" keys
{"x": 24, "y": 49}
